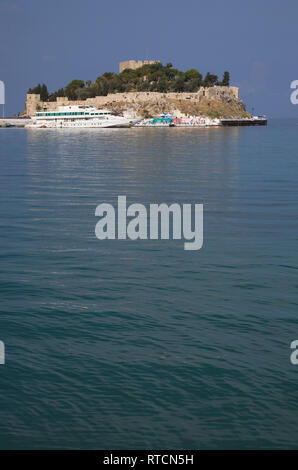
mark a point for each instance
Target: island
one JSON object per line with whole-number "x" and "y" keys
{"x": 146, "y": 89}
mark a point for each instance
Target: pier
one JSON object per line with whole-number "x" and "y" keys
{"x": 254, "y": 121}
{"x": 14, "y": 121}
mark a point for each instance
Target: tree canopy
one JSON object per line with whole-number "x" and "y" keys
{"x": 149, "y": 77}
{"x": 41, "y": 90}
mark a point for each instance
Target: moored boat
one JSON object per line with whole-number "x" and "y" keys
{"x": 251, "y": 121}
{"x": 77, "y": 117}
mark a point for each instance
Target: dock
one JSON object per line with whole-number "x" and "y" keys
{"x": 253, "y": 121}
{"x": 14, "y": 121}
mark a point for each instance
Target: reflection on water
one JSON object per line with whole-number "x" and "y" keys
{"x": 121, "y": 344}
{"x": 130, "y": 161}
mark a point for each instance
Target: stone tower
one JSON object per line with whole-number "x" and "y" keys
{"x": 135, "y": 64}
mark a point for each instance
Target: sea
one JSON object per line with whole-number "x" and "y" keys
{"x": 123, "y": 344}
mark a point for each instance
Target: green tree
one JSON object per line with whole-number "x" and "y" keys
{"x": 149, "y": 77}
{"x": 44, "y": 94}
{"x": 226, "y": 79}
{"x": 56, "y": 94}
{"x": 193, "y": 80}
{"x": 36, "y": 90}
{"x": 210, "y": 80}
{"x": 84, "y": 93}
{"x": 179, "y": 84}
{"x": 73, "y": 87}
{"x": 161, "y": 86}
{"x": 101, "y": 86}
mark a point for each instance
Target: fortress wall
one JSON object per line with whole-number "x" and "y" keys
{"x": 220, "y": 93}
{"x": 135, "y": 64}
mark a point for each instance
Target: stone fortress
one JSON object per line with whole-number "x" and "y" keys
{"x": 219, "y": 99}
{"x": 135, "y": 64}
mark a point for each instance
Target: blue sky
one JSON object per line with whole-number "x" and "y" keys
{"x": 56, "y": 41}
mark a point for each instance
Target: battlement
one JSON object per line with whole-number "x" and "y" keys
{"x": 135, "y": 64}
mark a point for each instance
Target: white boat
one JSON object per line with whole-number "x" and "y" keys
{"x": 78, "y": 117}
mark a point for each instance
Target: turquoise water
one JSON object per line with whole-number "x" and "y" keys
{"x": 122, "y": 344}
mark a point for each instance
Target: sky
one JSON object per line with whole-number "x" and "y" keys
{"x": 55, "y": 41}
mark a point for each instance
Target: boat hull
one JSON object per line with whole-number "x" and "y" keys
{"x": 88, "y": 124}
{"x": 244, "y": 122}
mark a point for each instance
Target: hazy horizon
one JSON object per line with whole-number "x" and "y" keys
{"x": 55, "y": 42}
